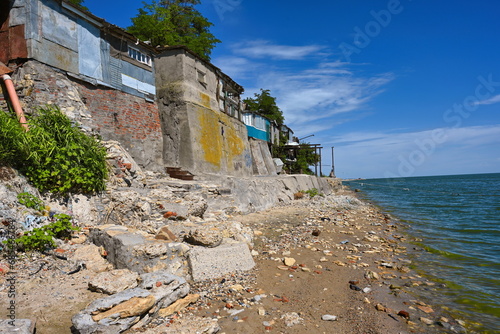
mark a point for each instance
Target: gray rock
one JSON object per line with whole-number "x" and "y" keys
{"x": 140, "y": 252}
{"x": 114, "y": 281}
{"x": 329, "y": 317}
{"x": 17, "y": 326}
{"x": 165, "y": 288}
{"x": 207, "y": 237}
{"x": 209, "y": 263}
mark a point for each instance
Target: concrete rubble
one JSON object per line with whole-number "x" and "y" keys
{"x": 119, "y": 312}
{"x": 147, "y": 223}
{"x": 19, "y": 326}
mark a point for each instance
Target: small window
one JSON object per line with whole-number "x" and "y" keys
{"x": 202, "y": 77}
{"x": 139, "y": 56}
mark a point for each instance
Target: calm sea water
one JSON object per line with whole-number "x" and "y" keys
{"x": 457, "y": 219}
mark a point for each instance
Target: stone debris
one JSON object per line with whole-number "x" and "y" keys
{"x": 139, "y": 251}
{"x": 165, "y": 234}
{"x": 135, "y": 306}
{"x": 289, "y": 261}
{"x": 328, "y": 317}
{"x": 292, "y": 319}
{"x": 178, "y": 305}
{"x": 206, "y": 263}
{"x": 206, "y": 238}
{"x": 91, "y": 256}
{"x": 132, "y": 228}
{"x": 120, "y": 311}
{"x": 114, "y": 281}
{"x": 18, "y": 326}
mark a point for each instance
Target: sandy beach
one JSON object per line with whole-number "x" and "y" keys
{"x": 323, "y": 265}
{"x": 323, "y": 257}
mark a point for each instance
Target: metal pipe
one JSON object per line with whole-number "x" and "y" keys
{"x": 14, "y": 100}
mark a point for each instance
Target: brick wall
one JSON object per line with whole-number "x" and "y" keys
{"x": 115, "y": 115}
{"x": 118, "y": 113}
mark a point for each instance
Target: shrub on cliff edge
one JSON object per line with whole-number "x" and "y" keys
{"x": 54, "y": 155}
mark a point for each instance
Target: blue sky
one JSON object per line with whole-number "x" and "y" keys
{"x": 400, "y": 88}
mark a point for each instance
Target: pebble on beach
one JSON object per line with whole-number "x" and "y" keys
{"x": 329, "y": 317}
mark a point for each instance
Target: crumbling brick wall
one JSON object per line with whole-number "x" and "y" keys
{"x": 113, "y": 114}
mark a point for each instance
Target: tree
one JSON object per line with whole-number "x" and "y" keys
{"x": 265, "y": 105}
{"x": 174, "y": 22}
{"x": 78, "y": 3}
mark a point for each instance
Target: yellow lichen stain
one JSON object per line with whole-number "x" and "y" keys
{"x": 210, "y": 136}
{"x": 219, "y": 147}
{"x": 205, "y": 100}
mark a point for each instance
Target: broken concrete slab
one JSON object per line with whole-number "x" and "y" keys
{"x": 139, "y": 251}
{"x": 118, "y": 312}
{"x": 206, "y": 263}
{"x": 17, "y": 326}
{"x": 204, "y": 237}
{"x": 91, "y": 256}
{"x": 114, "y": 281}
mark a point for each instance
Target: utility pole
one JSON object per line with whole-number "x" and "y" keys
{"x": 332, "y": 173}
{"x": 320, "y": 172}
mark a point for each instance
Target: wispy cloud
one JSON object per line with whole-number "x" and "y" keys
{"x": 492, "y": 100}
{"x": 314, "y": 95}
{"x": 457, "y": 151}
{"x": 235, "y": 67}
{"x": 266, "y": 49}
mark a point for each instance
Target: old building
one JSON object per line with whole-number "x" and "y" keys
{"x": 167, "y": 107}
{"x": 201, "y": 117}
{"x": 97, "y": 73}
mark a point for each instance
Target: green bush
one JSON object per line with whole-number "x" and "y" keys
{"x": 55, "y": 155}
{"x": 43, "y": 237}
{"x": 30, "y": 201}
{"x": 312, "y": 192}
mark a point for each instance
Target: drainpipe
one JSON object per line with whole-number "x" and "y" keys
{"x": 15, "y": 101}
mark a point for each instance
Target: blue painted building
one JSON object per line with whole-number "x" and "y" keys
{"x": 258, "y": 126}
{"x": 58, "y": 34}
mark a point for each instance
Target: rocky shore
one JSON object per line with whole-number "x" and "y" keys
{"x": 327, "y": 264}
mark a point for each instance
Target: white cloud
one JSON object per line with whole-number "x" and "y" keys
{"x": 235, "y": 67}
{"x": 380, "y": 154}
{"x": 492, "y": 100}
{"x": 314, "y": 95}
{"x": 265, "y": 49}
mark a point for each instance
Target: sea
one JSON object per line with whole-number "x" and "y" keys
{"x": 454, "y": 224}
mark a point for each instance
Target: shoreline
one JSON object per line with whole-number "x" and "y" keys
{"x": 319, "y": 282}
{"x": 323, "y": 265}
{"x": 447, "y": 293}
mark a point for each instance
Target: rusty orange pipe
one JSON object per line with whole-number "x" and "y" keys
{"x": 14, "y": 100}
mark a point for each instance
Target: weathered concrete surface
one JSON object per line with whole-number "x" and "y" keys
{"x": 19, "y": 326}
{"x": 139, "y": 251}
{"x": 262, "y": 160}
{"x": 133, "y": 306}
{"x": 214, "y": 262}
{"x": 200, "y": 133}
{"x": 114, "y": 281}
{"x": 252, "y": 194}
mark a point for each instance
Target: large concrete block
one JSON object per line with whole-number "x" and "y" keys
{"x": 215, "y": 262}
{"x": 18, "y": 326}
{"x": 140, "y": 252}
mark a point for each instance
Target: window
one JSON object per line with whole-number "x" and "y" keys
{"x": 202, "y": 78}
{"x": 139, "y": 56}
